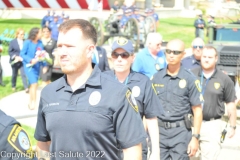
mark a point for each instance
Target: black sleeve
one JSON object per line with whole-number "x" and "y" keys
{"x": 229, "y": 91}
{"x": 106, "y": 65}
{"x": 127, "y": 121}
{"x": 152, "y": 104}
{"x": 196, "y": 23}
{"x": 41, "y": 133}
{"x": 11, "y": 50}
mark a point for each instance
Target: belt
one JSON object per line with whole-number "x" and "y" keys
{"x": 212, "y": 119}
{"x": 168, "y": 125}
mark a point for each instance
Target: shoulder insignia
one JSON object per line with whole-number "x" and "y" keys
{"x": 197, "y": 83}
{"x": 216, "y": 85}
{"x": 131, "y": 100}
{"x": 19, "y": 140}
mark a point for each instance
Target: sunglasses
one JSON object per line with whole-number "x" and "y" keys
{"x": 168, "y": 51}
{"x": 200, "y": 47}
{"x": 123, "y": 55}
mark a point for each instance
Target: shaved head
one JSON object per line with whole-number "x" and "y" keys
{"x": 177, "y": 43}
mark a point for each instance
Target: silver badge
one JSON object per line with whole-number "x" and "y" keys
{"x": 94, "y": 98}
{"x": 136, "y": 91}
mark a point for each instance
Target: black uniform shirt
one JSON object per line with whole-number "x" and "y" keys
{"x": 218, "y": 89}
{"x": 101, "y": 116}
{"x": 14, "y": 141}
{"x": 141, "y": 87}
{"x": 190, "y": 62}
{"x": 176, "y": 93}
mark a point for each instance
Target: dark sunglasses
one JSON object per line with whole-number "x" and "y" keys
{"x": 200, "y": 47}
{"x": 123, "y": 55}
{"x": 168, "y": 51}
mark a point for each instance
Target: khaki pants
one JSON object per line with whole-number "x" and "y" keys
{"x": 210, "y": 145}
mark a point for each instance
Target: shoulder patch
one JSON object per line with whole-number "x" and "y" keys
{"x": 131, "y": 100}
{"x": 197, "y": 83}
{"x": 19, "y": 140}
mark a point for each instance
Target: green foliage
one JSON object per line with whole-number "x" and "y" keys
{"x": 7, "y": 90}
{"x": 26, "y": 24}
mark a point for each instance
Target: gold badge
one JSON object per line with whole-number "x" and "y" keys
{"x": 216, "y": 85}
{"x": 182, "y": 83}
{"x": 122, "y": 41}
{"x": 197, "y": 83}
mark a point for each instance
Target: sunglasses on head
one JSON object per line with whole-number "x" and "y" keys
{"x": 123, "y": 55}
{"x": 200, "y": 47}
{"x": 168, "y": 51}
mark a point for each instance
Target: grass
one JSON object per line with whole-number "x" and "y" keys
{"x": 181, "y": 28}
{"x": 14, "y": 24}
{"x": 7, "y": 90}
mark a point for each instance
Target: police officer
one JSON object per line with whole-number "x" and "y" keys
{"x": 148, "y": 103}
{"x": 54, "y": 28}
{"x": 45, "y": 19}
{"x": 177, "y": 89}
{"x": 125, "y": 17}
{"x": 90, "y": 115}
{"x": 199, "y": 24}
{"x": 217, "y": 89}
{"x": 193, "y": 61}
{"x": 14, "y": 141}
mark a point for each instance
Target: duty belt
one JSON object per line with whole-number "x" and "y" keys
{"x": 211, "y": 119}
{"x": 168, "y": 125}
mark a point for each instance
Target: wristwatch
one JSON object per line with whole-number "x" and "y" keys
{"x": 197, "y": 136}
{"x": 233, "y": 127}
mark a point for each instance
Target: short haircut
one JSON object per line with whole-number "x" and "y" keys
{"x": 18, "y": 31}
{"x": 152, "y": 37}
{"x": 33, "y": 33}
{"x": 88, "y": 31}
{"x": 46, "y": 27}
{"x": 198, "y": 39}
{"x": 211, "y": 48}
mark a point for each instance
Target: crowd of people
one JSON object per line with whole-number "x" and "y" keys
{"x": 155, "y": 99}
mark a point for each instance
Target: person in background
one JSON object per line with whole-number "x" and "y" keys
{"x": 199, "y": 24}
{"x": 151, "y": 59}
{"x": 14, "y": 49}
{"x": 45, "y": 19}
{"x": 31, "y": 63}
{"x": 61, "y": 18}
{"x": 193, "y": 61}
{"x": 54, "y": 28}
{"x": 115, "y": 7}
{"x": 49, "y": 45}
{"x": 100, "y": 58}
{"x": 1, "y": 80}
{"x": 66, "y": 18}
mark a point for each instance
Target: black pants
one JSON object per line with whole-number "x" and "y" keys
{"x": 174, "y": 143}
{"x": 15, "y": 68}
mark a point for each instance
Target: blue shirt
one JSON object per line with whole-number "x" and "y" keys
{"x": 190, "y": 62}
{"x": 54, "y": 30}
{"x": 145, "y": 63}
{"x": 44, "y": 20}
{"x": 124, "y": 20}
{"x": 155, "y": 16}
